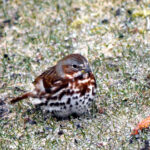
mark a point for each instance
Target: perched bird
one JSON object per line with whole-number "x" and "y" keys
{"x": 65, "y": 89}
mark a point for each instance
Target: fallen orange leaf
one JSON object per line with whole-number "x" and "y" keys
{"x": 142, "y": 125}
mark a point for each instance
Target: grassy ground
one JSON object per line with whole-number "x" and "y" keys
{"x": 113, "y": 35}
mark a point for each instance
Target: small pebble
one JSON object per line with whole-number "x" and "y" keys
{"x": 99, "y": 145}
{"x": 6, "y": 56}
{"x": 7, "y": 21}
{"x": 75, "y": 141}
{"x": 105, "y": 21}
{"x": 129, "y": 12}
{"x": 29, "y": 111}
{"x": 121, "y": 36}
{"x": 118, "y": 12}
{"x": 1, "y": 103}
{"x": 79, "y": 126}
{"x": 60, "y": 132}
{"x": 101, "y": 110}
{"x": 32, "y": 122}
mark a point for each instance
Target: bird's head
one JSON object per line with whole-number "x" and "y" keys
{"x": 73, "y": 66}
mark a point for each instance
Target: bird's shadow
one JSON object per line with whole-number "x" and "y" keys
{"x": 37, "y": 111}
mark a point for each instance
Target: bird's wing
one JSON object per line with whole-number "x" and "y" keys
{"x": 48, "y": 80}
{"x": 44, "y": 84}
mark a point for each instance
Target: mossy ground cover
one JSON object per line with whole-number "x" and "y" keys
{"x": 113, "y": 35}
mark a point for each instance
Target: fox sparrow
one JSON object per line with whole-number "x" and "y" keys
{"x": 65, "y": 89}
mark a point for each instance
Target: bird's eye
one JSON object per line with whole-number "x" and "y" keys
{"x": 74, "y": 66}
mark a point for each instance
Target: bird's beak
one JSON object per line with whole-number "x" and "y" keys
{"x": 86, "y": 70}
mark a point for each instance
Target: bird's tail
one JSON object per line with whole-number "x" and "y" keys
{"x": 23, "y": 96}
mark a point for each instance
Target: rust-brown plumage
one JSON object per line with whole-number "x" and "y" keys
{"x": 56, "y": 88}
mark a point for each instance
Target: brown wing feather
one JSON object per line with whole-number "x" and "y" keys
{"x": 49, "y": 78}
